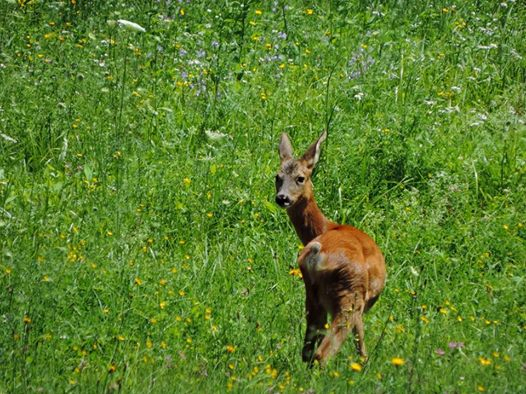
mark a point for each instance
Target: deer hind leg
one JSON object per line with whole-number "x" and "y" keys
{"x": 331, "y": 343}
{"x": 348, "y": 317}
{"x": 359, "y": 333}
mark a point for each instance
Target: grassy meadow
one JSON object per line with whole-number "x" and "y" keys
{"x": 140, "y": 246}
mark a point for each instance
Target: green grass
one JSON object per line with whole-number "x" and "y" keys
{"x": 140, "y": 248}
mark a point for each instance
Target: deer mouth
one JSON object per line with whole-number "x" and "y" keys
{"x": 283, "y": 201}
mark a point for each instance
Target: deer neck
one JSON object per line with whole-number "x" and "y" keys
{"x": 307, "y": 218}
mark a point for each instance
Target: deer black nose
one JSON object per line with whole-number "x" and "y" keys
{"x": 282, "y": 200}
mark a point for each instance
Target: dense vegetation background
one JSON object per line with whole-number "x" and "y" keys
{"x": 140, "y": 248}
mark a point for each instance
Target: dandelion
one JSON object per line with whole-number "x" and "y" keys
{"x": 481, "y": 388}
{"x": 295, "y": 272}
{"x": 112, "y": 368}
{"x": 356, "y": 367}
{"x": 187, "y": 181}
{"x": 399, "y": 328}
{"x": 230, "y": 348}
{"x": 397, "y": 361}
{"x": 272, "y": 372}
{"x": 259, "y": 12}
{"x": 149, "y": 343}
{"x": 120, "y": 338}
{"x": 27, "y": 319}
{"x": 484, "y": 361}
{"x": 163, "y": 304}
{"x": 309, "y": 11}
{"x": 131, "y": 25}
{"x": 138, "y": 281}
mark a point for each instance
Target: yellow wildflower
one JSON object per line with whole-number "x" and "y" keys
{"x": 397, "y": 361}
{"x": 356, "y": 367}
{"x": 295, "y": 272}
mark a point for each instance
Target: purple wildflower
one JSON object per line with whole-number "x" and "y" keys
{"x": 455, "y": 345}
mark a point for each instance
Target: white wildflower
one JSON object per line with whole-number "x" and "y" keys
{"x": 359, "y": 96}
{"x": 8, "y": 138}
{"x": 215, "y": 135}
{"x": 487, "y": 47}
{"x": 131, "y": 25}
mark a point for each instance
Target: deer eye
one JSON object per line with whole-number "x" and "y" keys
{"x": 300, "y": 180}
{"x": 279, "y": 178}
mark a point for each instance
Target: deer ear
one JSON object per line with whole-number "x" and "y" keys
{"x": 285, "y": 148}
{"x": 312, "y": 154}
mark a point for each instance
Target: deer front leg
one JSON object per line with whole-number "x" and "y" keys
{"x": 316, "y": 321}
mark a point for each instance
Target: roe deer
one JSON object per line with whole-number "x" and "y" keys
{"x": 342, "y": 267}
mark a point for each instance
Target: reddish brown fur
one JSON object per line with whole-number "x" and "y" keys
{"x": 342, "y": 267}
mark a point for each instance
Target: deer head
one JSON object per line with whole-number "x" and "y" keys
{"x": 293, "y": 181}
